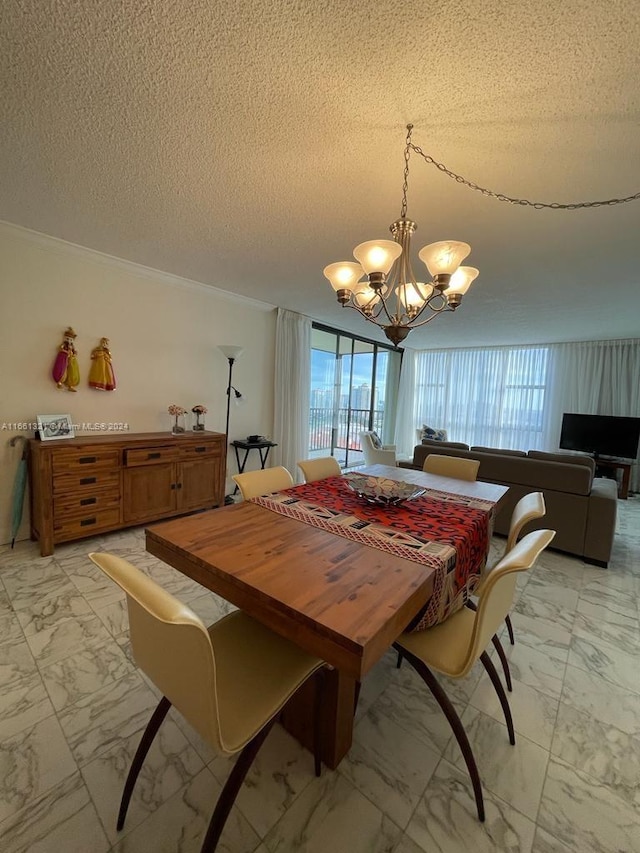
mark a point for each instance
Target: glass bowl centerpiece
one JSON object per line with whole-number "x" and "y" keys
{"x": 381, "y": 491}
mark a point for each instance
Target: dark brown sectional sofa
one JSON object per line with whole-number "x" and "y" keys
{"x": 581, "y": 508}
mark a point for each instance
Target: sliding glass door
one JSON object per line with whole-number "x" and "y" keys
{"x": 354, "y": 385}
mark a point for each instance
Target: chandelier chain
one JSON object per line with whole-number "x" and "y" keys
{"x": 405, "y": 184}
{"x": 524, "y": 202}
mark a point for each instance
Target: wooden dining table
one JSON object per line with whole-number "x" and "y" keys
{"x": 336, "y": 598}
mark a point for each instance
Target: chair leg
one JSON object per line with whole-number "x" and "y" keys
{"x": 141, "y": 753}
{"x": 454, "y": 721}
{"x": 507, "y": 622}
{"x": 399, "y": 661}
{"x": 317, "y": 722}
{"x": 505, "y": 663}
{"x": 230, "y": 791}
{"x": 502, "y": 696}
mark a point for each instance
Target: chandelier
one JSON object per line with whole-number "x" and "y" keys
{"x": 390, "y": 295}
{"x": 382, "y": 285}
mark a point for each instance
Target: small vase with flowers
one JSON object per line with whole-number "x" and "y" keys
{"x": 178, "y": 413}
{"x": 199, "y": 411}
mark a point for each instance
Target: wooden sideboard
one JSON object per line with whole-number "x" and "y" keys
{"x": 88, "y": 485}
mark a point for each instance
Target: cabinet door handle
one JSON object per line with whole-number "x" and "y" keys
{"x": 87, "y": 521}
{"x": 179, "y": 485}
{"x": 154, "y": 455}
{"x": 88, "y": 501}
{"x": 85, "y": 481}
{"x": 200, "y": 449}
{"x": 173, "y": 485}
{"x": 86, "y": 460}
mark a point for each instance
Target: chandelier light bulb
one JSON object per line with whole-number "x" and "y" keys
{"x": 365, "y": 297}
{"x": 444, "y": 257}
{"x": 414, "y": 295}
{"x": 343, "y": 275}
{"x": 377, "y": 256}
{"x": 462, "y": 280}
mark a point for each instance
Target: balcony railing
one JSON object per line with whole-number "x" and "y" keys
{"x": 321, "y": 425}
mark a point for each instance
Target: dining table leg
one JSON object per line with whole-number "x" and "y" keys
{"x": 337, "y": 710}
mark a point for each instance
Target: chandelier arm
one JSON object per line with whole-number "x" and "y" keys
{"x": 372, "y": 318}
{"x": 428, "y": 305}
{"x": 383, "y": 307}
{"x": 524, "y": 202}
{"x": 431, "y": 317}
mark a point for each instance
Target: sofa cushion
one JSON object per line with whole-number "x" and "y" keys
{"x": 376, "y": 440}
{"x": 538, "y": 474}
{"x": 500, "y": 451}
{"x": 566, "y": 458}
{"x": 429, "y": 442}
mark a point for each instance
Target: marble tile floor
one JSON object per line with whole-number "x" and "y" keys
{"x": 72, "y": 706}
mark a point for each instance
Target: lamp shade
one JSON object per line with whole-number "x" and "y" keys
{"x": 365, "y": 296}
{"x": 377, "y": 255}
{"x": 414, "y": 295}
{"x": 461, "y": 280}
{"x": 343, "y": 275}
{"x": 231, "y": 352}
{"x": 444, "y": 257}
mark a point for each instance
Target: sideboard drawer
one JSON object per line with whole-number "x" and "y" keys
{"x": 84, "y": 525}
{"x": 197, "y": 451}
{"x": 66, "y": 506}
{"x": 68, "y": 461}
{"x": 150, "y": 456}
{"x": 86, "y": 481}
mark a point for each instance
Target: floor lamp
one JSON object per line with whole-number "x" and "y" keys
{"x": 231, "y": 354}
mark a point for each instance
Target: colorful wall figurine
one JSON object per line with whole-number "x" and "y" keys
{"x": 66, "y": 373}
{"x": 101, "y": 375}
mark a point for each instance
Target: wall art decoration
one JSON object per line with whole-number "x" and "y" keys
{"x": 66, "y": 373}
{"x": 101, "y": 375}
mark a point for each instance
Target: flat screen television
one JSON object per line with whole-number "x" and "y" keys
{"x": 602, "y": 435}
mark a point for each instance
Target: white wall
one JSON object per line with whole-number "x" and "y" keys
{"x": 163, "y": 332}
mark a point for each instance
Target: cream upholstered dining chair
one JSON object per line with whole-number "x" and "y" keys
{"x": 451, "y": 466}
{"x": 263, "y": 482}
{"x": 454, "y": 646}
{"x": 228, "y": 681}
{"x": 528, "y": 508}
{"x": 318, "y": 469}
{"x": 373, "y": 455}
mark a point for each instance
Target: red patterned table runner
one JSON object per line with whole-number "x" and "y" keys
{"x": 449, "y": 532}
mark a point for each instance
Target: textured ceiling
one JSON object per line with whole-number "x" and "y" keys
{"x": 247, "y": 144}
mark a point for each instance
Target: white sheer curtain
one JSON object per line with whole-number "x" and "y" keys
{"x": 514, "y": 397}
{"x": 292, "y": 390}
{"x": 488, "y": 397}
{"x": 405, "y": 433}
{"x": 595, "y": 378}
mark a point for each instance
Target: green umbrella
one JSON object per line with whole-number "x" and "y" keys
{"x": 18, "y": 488}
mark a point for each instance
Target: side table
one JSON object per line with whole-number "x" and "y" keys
{"x": 263, "y": 448}
{"x": 616, "y": 465}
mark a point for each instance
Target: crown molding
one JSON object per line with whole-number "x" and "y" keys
{"x": 64, "y": 247}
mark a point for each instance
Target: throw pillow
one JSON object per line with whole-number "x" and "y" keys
{"x": 434, "y": 434}
{"x": 375, "y": 440}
